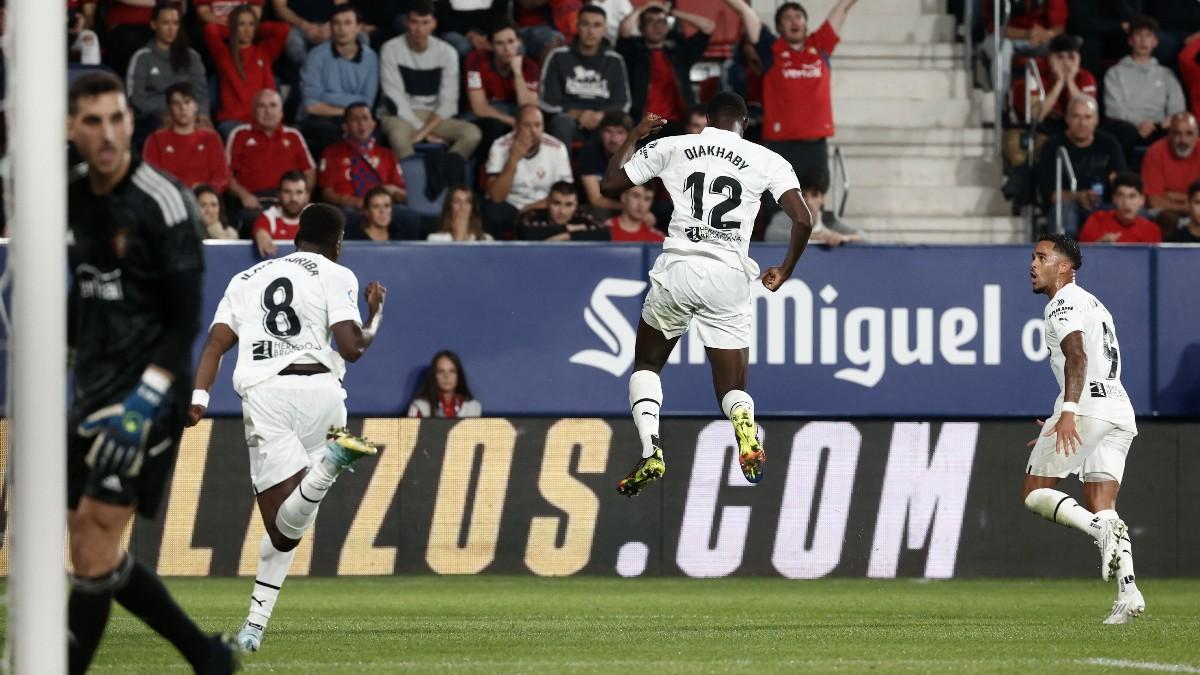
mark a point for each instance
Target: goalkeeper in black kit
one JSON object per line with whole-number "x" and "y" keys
{"x": 136, "y": 263}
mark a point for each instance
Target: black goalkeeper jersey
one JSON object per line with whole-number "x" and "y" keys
{"x": 136, "y": 263}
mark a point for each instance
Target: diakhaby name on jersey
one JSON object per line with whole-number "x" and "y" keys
{"x": 718, "y": 152}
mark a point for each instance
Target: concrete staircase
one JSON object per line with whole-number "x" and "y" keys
{"x": 919, "y": 162}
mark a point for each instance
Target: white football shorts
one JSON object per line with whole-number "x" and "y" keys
{"x": 704, "y": 294}
{"x": 286, "y": 420}
{"x": 1105, "y": 446}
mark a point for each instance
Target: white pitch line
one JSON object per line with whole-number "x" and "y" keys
{"x": 1142, "y": 665}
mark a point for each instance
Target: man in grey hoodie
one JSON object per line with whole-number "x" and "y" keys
{"x": 582, "y": 82}
{"x": 1140, "y": 95}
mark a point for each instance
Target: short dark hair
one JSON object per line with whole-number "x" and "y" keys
{"x": 375, "y": 192}
{"x": 321, "y": 224}
{"x": 1064, "y": 43}
{"x": 616, "y": 118}
{"x": 503, "y": 24}
{"x": 594, "y": 9}
{"x": 183, "y": 88}
{"x": 294, "y": 177}
{"x": 164, "y": 5}
{"x": 90, "y": 86}
{"x": 1143, "y": 23}
{"x": 1065, "y": 245}
{"x": 814, "y": 181}
{"x": 357, "y": 104}
{"x": 1128, "y": 179}
{"x": 785, "y": 7}
{"x": 727, "y": 104}
{"x": 420, "y": 7}
{"x": 562, "y": 187}
{"x": 652, "y": 9}
{"x": 342, "y": 9}
{"x": 1193, "y": 189}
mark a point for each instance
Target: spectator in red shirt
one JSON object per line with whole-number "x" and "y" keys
{"x": 494, "y": 90}
{"x": 191, "y": 153}
{"x": 358, "y": 164}
{"x": 1189, "y": 71}
{"x": 632, "y": 224}
{"x": 243, "y": 52}
{"x": 281, "y": 221}
{"x": 261, "y": 152}
{"x": 1169, "y": 167}
{"x": 219, "y": 11}
{"x": 660, "y": 61}
{"x": 1064, "y": 78}
{"x": 1122, "y": 225}
{"x": 797, "y": 102}
{"x": 1032, "y": 24}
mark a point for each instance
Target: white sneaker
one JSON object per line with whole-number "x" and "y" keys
{"x": 1108, "y": 540}
{"x": 249, "y": 638}
{"x": 1129, "y": 606}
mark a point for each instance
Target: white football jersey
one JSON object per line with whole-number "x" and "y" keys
{"x": 1074, "y": 309}
{"x": 282, "y": 311}
{"x": 716, "y": 180}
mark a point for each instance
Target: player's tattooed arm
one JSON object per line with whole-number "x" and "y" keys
{"x": 1075, "y": 372}
{"x": 616, "y": 181}
{"x": 221, "y": 339}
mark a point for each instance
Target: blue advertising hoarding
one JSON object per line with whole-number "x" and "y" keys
{"x": 547, "y": 329}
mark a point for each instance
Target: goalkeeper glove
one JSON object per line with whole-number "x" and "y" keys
{"x": 121, "y": 430}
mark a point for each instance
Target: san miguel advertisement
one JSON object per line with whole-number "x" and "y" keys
{"x": 537, "y": 496}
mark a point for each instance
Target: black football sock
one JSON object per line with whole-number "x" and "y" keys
{"x": 87, "y": 614}
{"x": 145, "y": 596}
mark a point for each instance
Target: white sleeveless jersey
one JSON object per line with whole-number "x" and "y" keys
{"x": 716, "y": 180}
{"x": 282, "y": 311}
{"x": 1074, "y": 309}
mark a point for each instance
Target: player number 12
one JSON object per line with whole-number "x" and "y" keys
{"x": 719, "y": 186}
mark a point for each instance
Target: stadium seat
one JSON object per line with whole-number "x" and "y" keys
{"x": 413, "y": 167}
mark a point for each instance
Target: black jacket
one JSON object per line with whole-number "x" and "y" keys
{"x": 683, "y": 53}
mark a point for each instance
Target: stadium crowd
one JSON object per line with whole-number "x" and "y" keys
{"x": 1115, "y": 80}
{"x": 262, "y": 106}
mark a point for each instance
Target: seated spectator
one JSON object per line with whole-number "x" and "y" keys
{"x": 801, "y": 139}
{"x": 444, "y": 391}
{"x": 1095, "y": 156}
{"x": 561, "y": 220}
{"x": 660, "y": 61}
{"x": 499, "y": 81}
{"x": 521, "y": 167}
{"x": 164, "y": 61}
{"x": 281, "y": 221}
{"x": 1169, "y": 167}
{"x": 191, "y": 153}
{"x": 308, "y": 25}
{"x": 1139, "y": 94}
{"x": 466, "y": 24}
{"x": 460, "y": 218}
{"x": 1190, "y": 232}
{"x": 375, "y": 221}
{"x": 128, "y": 29}
{"x": 338, "y": 72}
{"x": 594, "y": 158}
{"x": 420, "y": 86}
{"x": 631, "y": 225}
{"x": 697, "y": 120}
{"x": 358, "y": 164}
{"x": 827, "y": 228}
{"x": 546, "y": 24}
{"x": 582, "y": 81}
{"x": 212, "y": 215}
{"x": 1122, "y": 225}
{"x": 1103, "y": 28}
{"x": 1189, "y": 71}
{"x": 1031, "y": 26}
{"x": 243, "y": 52}
{"x": 218, "y": 11}
{"x": 262, "y": 152}
{"x": 1064, "y": 79}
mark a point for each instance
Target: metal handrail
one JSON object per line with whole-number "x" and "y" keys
{"x": 1033, "y": 78}
{"x": 841, "y": 191}
{"x": 997, "y": 37}
{"x": 969, "y": 39}
{"x": 1062, "y": 159}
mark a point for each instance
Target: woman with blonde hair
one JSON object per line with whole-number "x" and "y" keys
{"x": 243, "y": 53}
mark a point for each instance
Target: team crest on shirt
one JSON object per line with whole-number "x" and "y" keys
{"x": 693, "y": 234}
{"x": 170, "y": 149}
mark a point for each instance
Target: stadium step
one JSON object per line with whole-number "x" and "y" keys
{"x": 898, "y": 28}
{"x": 942, "y": 200}
{"x": 903, "y": 113}
{"x": 942, "y": 229}
{"x": 930, "y": 142}
{"x": 905, "y": 84}
{"x": 866, "y": 172}
{"x": 818, "y": 9}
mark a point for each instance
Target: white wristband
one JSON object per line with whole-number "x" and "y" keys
{"x": 200, "y": 398}
{"x": 1071, "y": 407}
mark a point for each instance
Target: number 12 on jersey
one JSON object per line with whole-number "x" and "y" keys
{"x": 726, "y": 186}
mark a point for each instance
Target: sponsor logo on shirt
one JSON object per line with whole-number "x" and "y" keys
{"x": 806, "y": 71}
{"x": 586, "y": 83}
{"x": 97, "y": 285}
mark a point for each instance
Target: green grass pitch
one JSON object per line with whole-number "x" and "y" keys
{"x": 494, "y": 624}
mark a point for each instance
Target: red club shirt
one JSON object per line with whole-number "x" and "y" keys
{"x": 664, "y": 97}
{"x": 645, "y": 234}
{"x": 238, "y": 89}
{"x": 482, "y": 74}
{"x": 797, "y": 103}
{"x": 193, "y": 158}
{"x": 276, "y": 224}
{"x": 120, "y": 14}
{"x": 1163, "y": 172}
{"x": 1028, "y": 13}
{"x": 1083, "y": 79}
{"x": 258, "y": 159}
{"x": 342, "y": 162}
{"x": 1100, "y": 223}
{"x": 224, "y": 7}
{"x": 1189, "y": 72}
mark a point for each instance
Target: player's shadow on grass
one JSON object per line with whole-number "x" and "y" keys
{"x": 1184, "y": 389}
